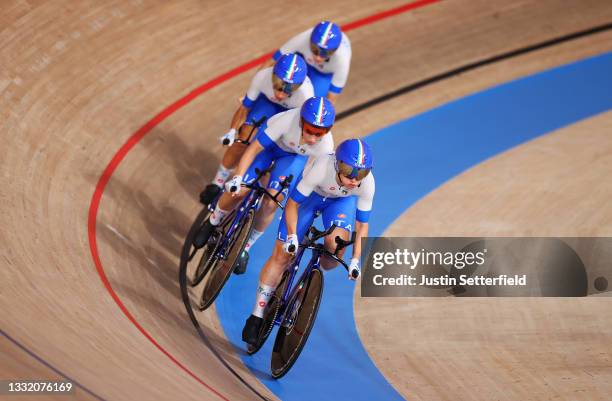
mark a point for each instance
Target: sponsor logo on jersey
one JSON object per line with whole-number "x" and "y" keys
{"x": 342, "y": 215}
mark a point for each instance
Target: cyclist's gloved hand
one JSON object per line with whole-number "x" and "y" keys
{"x": 233, "y": 185}
{"x": 229, "y": 138}
{"x": 291, "y": 244}
{"x": 354, "y": 269}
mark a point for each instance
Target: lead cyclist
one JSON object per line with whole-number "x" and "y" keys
{"x": 338, "y": 186}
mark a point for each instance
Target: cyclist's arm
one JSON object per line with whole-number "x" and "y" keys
{"x": 249, "y": 99}
{"x": 247, "y": 158}
{"x": 291, "y": 216}
{"x": 342, "y": 62}
{"x": 239, "y": 117}
{"x": 361, "y": 231}
{"x": 364, "y": 207}
{"x": 313, "y": 173}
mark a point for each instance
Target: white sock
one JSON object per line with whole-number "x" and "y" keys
{"x": 252, "y": 239}
{"x": 217, "y": 216}
{"x": 264, "y": 293}
{"x": 222, "y": 175}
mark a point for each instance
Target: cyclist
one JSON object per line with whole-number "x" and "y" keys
{"x": 272, "y": 90}
{"x": 287, "y": 140}
{"x": 338, "y": 186}
{"x": 327, "y": 50}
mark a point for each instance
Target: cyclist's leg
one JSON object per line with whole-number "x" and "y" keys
{"x": 307, "y": 212}
{"x": 321, "y": 81}
{"x": 284, "y": 166}
{"x": 262, "y": 108}
{"x": 229, "y": 201}
{"x": 275, "y": 265}
{"x": 272, "y": 272}
{"x": 341, "y": 212}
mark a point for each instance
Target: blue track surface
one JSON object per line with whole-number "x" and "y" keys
{"x": 412, "y": 158}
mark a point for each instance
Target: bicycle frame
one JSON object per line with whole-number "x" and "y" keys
{"x": 250, "y": 202}
{"x": 290, "y": 291}
{"x": 318, "y": 249}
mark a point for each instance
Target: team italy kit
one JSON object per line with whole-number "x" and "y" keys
{"x": 261, "y": 101}
{"x": 319, "y": 192}
{"x": 280, "y": 137}
{"x": 331, "y": 75}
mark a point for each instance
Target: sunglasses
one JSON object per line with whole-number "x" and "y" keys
{"x": 281, "y": 86}
{"x": 317, "y": 51}
{"x": 353, "y": 173}
{"x": 315, "y": 131}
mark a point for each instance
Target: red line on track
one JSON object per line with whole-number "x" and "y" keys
{"x": 161, "y": 116}
{"x": 386, "y": 14}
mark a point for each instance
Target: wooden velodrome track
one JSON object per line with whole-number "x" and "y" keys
{"x": 78, "y": 78}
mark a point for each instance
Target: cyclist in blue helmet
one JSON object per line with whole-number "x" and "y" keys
{"x": 273, "y": 90}
{"x": 327, "y": 51}
{"x": 318, "y": 112}
{"x": 287, "y": 140}
{"x": 340, "y": 187}
{"x": 353, "y": 159}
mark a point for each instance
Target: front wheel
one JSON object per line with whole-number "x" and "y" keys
{"x": 297, "y": 324}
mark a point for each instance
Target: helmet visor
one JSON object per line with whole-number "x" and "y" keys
{"x": 317, "y": 51}
{"x": 313, "y": 129}
{"x": 352, "y": 172}
{"x": 281, "y": 86}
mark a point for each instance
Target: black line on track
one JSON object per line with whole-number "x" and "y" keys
{"x": 471, "y": 66}
{"x": 48, "y": 365}
{"x": 187, "y": 301}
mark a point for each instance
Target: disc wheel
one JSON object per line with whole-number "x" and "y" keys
{"x": 221, "y": 271}
{"x": 208, "y": 257}
{"x": 297, "y": 324}
{"x": 190, "y": 253}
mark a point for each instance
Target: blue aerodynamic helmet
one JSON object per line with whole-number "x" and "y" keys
{"x": 325, "y": 38}
{"x": 291, "y": 69}
{"x": 318, "y": 111}
{"x": 354, "y": 159}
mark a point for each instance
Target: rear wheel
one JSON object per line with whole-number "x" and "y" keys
{"x": 270, "y": 315}
{"x": 221, "y": 271}
{"x": 297, "y": 324}
{"x": 189, "y": 253}
{"x": 208, "y": 257}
